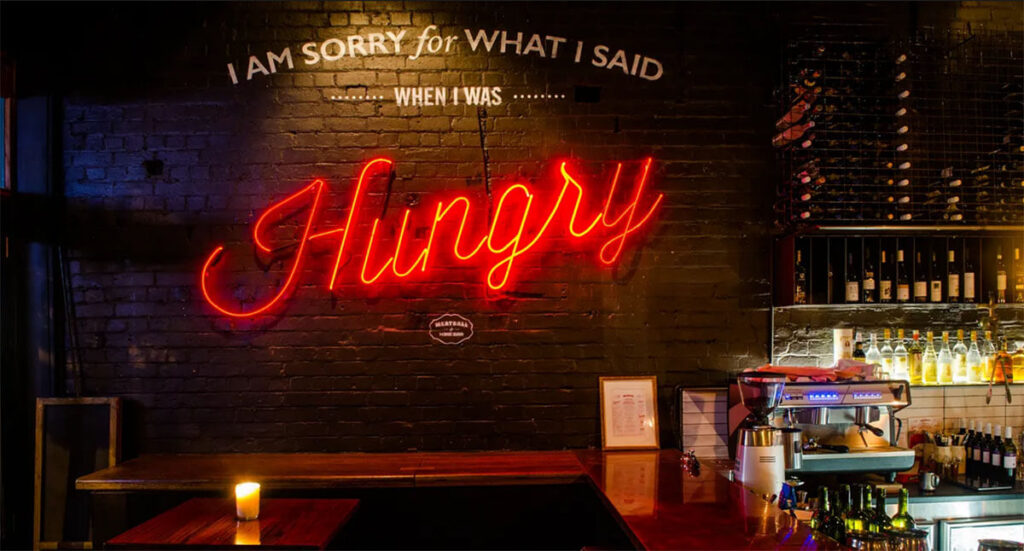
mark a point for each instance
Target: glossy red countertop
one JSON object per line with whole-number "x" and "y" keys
{"x": 663, "y": 506}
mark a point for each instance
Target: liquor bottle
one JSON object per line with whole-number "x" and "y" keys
{"x": 960, "y": 359}
{"x": 902, "y": 520}
{"x": 952, "y": 278}
{"x": 914, "y": 352}
{"x": 1017, "y": 360}
{"x": 886, "y": 353}
{"x": 969, "y": 284}
{"x": 885, "y": 289}
{"x": 945, "y": 363}
{"x": 995, "y": 466}
{"x": 935, "y": 285}
{"x": 1000, "y": 277}
{"x": 831, "y": 523}
{"x": 920, "y": 281}
{"x": 858, "y": 348}
{"x": 844, "y": 503}
{"x": 869, "y": 280}
{"x": 800, "y": 289}
{"x": 1003, "y": 365}
{"x": 870, "y": 522}
{"x": 974, "y": 361}
{"x": 902, "y": 278}
{"x": 929, "y": 362}
{"x": 988, "y": 357}
{"x": 900, "y": 358}
{"x": 1018, "y": 277}
{"x": 855, "y": 520}
{"x": 882, "y": 521}
{"x": 874, "y": 356}
{"x": 852, "y": 281}
{"x": 986, "y": 453}
{"x": 969, "y": 452}
{"x": 1009, "y": 451}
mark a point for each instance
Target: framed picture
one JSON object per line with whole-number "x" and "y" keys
{"x": 629, "y": 413}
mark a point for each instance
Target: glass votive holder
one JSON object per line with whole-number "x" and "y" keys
{"x": 247, "y": 500}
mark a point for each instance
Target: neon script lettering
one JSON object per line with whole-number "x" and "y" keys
{"x": 521, "y": 220}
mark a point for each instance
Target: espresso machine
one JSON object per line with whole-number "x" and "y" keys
{"x": 760, "y": 463}
{"x": 843, "y": 427}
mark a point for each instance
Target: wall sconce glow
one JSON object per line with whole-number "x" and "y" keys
{"x": 247, "y": 500}
{"x": 524, "y": 219}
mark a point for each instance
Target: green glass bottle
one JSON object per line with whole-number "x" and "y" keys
{"x": 830, "y": 524}
{"x": 868, "y": 512}
{"x": 882, "y": 521}
{"x": 902, "y": 521}
{"x": 855, "y": 519}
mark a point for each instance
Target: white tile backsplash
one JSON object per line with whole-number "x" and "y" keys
{"x": 705, "y": 410}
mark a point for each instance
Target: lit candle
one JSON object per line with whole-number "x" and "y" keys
{"x": 247, "y": 500}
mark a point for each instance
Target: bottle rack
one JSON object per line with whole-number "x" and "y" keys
{"x": 822, "y": 254}
{"x": 922, "y": 130}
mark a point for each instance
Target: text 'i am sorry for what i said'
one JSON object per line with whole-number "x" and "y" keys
{"x": 431, "y": 41}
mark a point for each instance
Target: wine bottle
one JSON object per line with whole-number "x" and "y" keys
{"x": 1009, "y": 451}
{"x": 852, "y": 281}
{"x": 902, "y": 278}
{"x": 952, "y": 278}
{"x": 870, "y": 520}
{"x": 884, "y": 280}
{"x": 936, "y": 280}
{"x": 792, "y": 134}
{"x": 976, "y": 447}
{"x": 975, "y": 365}
{"x": 986, "y": 454}
{"x": 915, "y": 353}
{"x": 900, "y": 358}
{"x": 1000, "y": 276}
{"x": 882, "y": 521}
{"x": 902, "y": 520}
{"x": 800, "y": 289}
{"x": 858, "y": 348}
{"x": 929, "y": 362}
{"x": 969, "y": 452}
{"x": 945, "y": 363}
{"x": 886, "y": 355}
{"x": 855, "y": 520}
{"x": 995, "y": 467}
{"x": 868, "y": 282}
{"x": 831, "y": 523}
{"x": 960, "y": 359}
{"x": 1018, "y": 277}
{"x": 920, "y": 280}
{"x": 969, "y": 284}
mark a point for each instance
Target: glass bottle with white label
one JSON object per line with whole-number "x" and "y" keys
{"x": 935, "y": 283}
{"x": 900, "y": 358}
{"x": 852, "y": 281}
{"x": 969, "y": 284}
{"x": 975, "y": 364}
{"x": 1009, "y": 452}
{"x": 920, "y": 280}
{"x": 885, "y": 289}
{"x": 952, "y": 278}
{"x": 945, "y": 363}
{"x": 868, "y": 283}
{"x": 902, "y": 278}
{"x": 929, "y": 362}
{"x": 960, "y": 359}
{"x": 886, "y": 353}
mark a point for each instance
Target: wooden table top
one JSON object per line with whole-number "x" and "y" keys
{"x": 658, "y": 503}
{"x": 209, "y": 523}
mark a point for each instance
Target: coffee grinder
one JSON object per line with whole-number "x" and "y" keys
{"x": 760, "y": 459}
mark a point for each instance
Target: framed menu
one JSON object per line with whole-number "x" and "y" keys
{"x": 629, "y": 413}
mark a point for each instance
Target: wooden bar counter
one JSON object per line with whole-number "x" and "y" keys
{"x": 658, "y": 503}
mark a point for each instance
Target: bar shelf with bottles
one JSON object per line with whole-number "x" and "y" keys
{"x": 890, "y": 270}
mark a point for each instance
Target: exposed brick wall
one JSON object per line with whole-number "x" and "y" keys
{"x": 689, "y": 303}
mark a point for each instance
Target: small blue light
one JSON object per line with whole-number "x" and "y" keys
{"x": 823, "y": 396}
{"x": 866, "y": 395}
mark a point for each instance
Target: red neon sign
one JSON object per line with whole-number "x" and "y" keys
{"x": 519, "y": 222}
